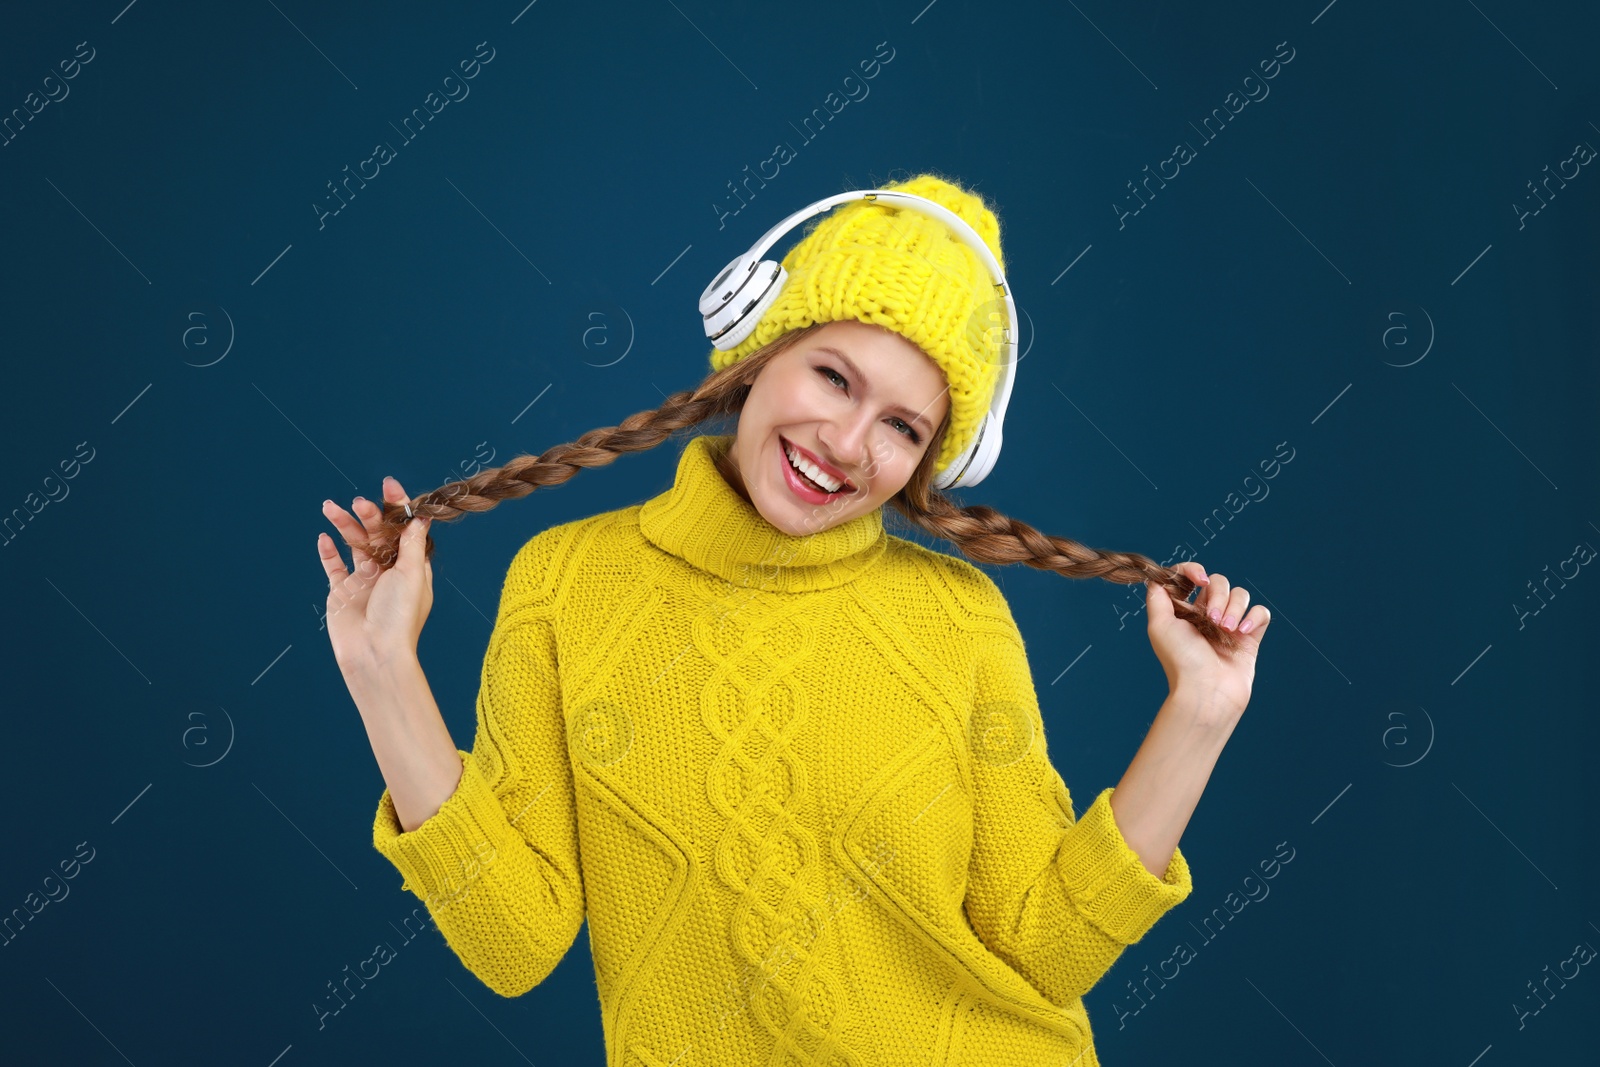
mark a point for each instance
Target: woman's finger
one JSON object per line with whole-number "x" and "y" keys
{"x": 392, "y": 492}
{"x": 332, "y": 563}
{"x": 1216, "y": 597}
{"x": 370, "y": 514}
{"x": 413, "y": 539}
{"x": 1193, "y": 571}
{"x": 348, "y": 528}
{"x": 1255, "y": 621}
{"x": 1238, "y": 601}
{"x": 1159, "y": 602}
{"x": 352, "y": 587}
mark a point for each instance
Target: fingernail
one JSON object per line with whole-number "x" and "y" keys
{"x": 1246, "y": 626}
{"x": 1228, "y": 622}
{"x": 327, "y": 503}
{"x": 1216, "y": 615}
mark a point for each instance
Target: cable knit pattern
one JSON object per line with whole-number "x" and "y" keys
{"x": 797, "y": 786}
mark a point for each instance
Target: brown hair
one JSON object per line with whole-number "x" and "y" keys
{"x": 981, "y": 533}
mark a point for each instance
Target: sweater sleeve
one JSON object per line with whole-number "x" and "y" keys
{"x": 497, "y": 864}
{"x": 1056, "y": 896}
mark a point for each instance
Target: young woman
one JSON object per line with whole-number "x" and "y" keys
{"x": 789, "y": 767}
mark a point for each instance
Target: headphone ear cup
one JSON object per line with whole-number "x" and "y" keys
{"x": 974, "y": 463}
{"x": 947, "y": 478}
{"x": 988, "y": 450}
{"x": 720, "y": 292}
{"x": 748, "y": 305}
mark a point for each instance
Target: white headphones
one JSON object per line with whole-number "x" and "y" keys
{"x": 732, "y": 306}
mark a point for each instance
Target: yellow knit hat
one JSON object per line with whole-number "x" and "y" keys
{"x": 903, "y": 270}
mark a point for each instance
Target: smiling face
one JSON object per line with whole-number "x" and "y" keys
{"x": 858, "y": 403}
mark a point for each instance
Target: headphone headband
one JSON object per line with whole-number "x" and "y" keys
{"x": 733, "y": 304}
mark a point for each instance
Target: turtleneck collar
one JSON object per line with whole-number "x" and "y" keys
{"x": 704, "y": 520}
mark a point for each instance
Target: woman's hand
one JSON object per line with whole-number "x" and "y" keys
{"x": 1217, "y": 682}
{"x": 375, "y": 615}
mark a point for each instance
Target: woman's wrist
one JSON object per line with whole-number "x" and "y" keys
{"x": 380, "y": 670}
{"x": 395, "y": 700}
{"x": 1158, "y": 793}
{"x": 412, "y": 744}
{"x": 1200, "y": 705}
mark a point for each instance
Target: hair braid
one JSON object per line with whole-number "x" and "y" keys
{"x": 985, "y": 535}
{"x": 721, "y": 393}
{"x": 980, "y": 532}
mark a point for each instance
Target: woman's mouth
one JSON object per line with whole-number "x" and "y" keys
{"x": 802, "y": 484}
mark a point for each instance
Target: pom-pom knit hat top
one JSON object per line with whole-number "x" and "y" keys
{"x": 903, "y": 270}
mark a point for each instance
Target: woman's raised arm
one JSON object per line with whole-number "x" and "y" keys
{"x": 1207, "y": 693}
{"x": 1057, "y": 895}
{"x": 507, "y": 809}
{"x": 374, "y": 619}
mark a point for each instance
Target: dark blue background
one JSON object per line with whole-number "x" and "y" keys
{"x": 1425, "y": 749}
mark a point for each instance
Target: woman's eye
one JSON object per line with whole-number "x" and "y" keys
{"x": 909, "y": 432}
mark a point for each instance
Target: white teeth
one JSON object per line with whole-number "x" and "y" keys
{"x": 811, "y": 471}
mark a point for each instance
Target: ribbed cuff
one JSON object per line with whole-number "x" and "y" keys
{"x": 1109, "y": 883}
{"x": 440, "y": 858}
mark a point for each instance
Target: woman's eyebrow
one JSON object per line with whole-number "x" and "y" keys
{"x": 900, "y": 409}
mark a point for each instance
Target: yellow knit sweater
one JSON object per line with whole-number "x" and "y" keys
{"x": 798, "y": 787}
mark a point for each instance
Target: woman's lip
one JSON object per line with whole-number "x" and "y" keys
{"x": 796, "y": 483}
{"x": 831, "y": 472}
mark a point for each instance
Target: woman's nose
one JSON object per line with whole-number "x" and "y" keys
{"x": 847, "y": 443}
